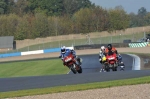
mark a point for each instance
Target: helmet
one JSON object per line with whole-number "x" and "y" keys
{"x": 109, "y": 46}
{"x": 63, "y": 49}
{"x": 102, "y": 47}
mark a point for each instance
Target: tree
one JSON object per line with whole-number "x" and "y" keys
{"x": 83, "y": 20}
{"x": 40, "y": 26}
{"x": 21, "y": 7}
{"x": 133, "y": 20}
{"x": 118, "y": 20}
{"x": 99, "y": 19}
{"x": 142, "y": 12}
{"x": 147, "y": 18}
{"x": 3, "y": 7}
{"x": 49, "y": 7}
{"x": 141, "y": 15}
{"x": 72, "y": 6}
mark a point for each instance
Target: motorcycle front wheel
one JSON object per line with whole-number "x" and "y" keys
{"x": 80, "y": 70}
{"x": 73, "y": 69}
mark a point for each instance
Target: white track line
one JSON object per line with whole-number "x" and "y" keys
{"x": 136, "y": 62}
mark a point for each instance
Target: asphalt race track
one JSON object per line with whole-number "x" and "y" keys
{"x": 91, "y": 64}
{"x": 91, "y": 67}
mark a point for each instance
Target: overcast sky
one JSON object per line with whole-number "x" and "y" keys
{"x": 128, "y": 5}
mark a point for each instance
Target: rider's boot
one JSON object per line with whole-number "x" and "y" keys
{"x": 101, "y": 70}
{"x": 104, "y": 70}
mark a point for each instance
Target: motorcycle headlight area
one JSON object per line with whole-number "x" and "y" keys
{"x": 112, "y": 58}
{"x": 68, "y": 59}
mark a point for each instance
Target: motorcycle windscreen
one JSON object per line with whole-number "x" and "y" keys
{"x": 66, "y": 54}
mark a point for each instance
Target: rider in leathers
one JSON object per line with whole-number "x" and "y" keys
{"x": 64, "y": 50}
{"x": 111, "y": 49}
{"x": 101, "y": 55}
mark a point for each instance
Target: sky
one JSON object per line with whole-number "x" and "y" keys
{"x": 128, "y": 5}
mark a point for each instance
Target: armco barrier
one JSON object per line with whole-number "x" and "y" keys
{"x": 32, "y": 52}
{"x": 51, "y": 50}
{"x": 10, "y": 55}
{"x": 55, "y": 50}
{"x": 97, "y": 46}
{"x": 141, "y": 44}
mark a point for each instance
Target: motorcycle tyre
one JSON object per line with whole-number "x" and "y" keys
{"x": 107, "y": 68}
{"x": 80, "y": 70}
{"x": 73, "y": 70}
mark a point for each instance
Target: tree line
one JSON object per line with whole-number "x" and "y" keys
{"x": 29, "y": 19}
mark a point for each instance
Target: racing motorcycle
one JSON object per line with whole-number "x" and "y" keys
{"x": 111, "y": 62}
{"x": 70, "y": 61}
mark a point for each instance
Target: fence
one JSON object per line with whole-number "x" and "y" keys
{"x": 132, "y": 34}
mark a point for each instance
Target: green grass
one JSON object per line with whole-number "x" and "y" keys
{"x": 32, "y": 68}
{"x": 97, "y": 85}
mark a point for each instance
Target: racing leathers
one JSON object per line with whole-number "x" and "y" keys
{"x": 102, "y": 60}
{"x": 69, "y": 51}
{"x": 101, "y": 54}
{"x": 112, "y": 50}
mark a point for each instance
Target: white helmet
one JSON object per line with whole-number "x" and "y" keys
{"x": 102, "y": 47}
{"x": 63, "y": 49}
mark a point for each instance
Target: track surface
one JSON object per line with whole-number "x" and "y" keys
{"x": 91, "y": 67}
{"x": 91, "y": 64}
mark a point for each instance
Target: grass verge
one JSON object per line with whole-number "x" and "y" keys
{"x": 108, "y": 84}
{"x": 32, "y": 68}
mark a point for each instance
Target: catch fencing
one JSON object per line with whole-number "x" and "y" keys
{"x": 131, "y": 34}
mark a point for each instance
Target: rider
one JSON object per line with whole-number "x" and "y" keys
{"x": 110, "y": 48}
{"x": 101, "y": 53}
{"x": 102, "y": 57}
{"x": 64, "y": 50}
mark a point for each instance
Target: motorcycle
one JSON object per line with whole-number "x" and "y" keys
{"x": 111, "y": 62}
{"x": 70, "y": 61}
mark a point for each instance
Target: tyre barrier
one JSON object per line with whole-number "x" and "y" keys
{"x": 141, "y": 44}
{"x": 148, "y": 44}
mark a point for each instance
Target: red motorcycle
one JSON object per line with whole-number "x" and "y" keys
{"x": 111, "y": 62}
{"x": 70, "y": 62}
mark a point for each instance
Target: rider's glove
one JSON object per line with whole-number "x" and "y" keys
{"x": 59, "y": 57}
